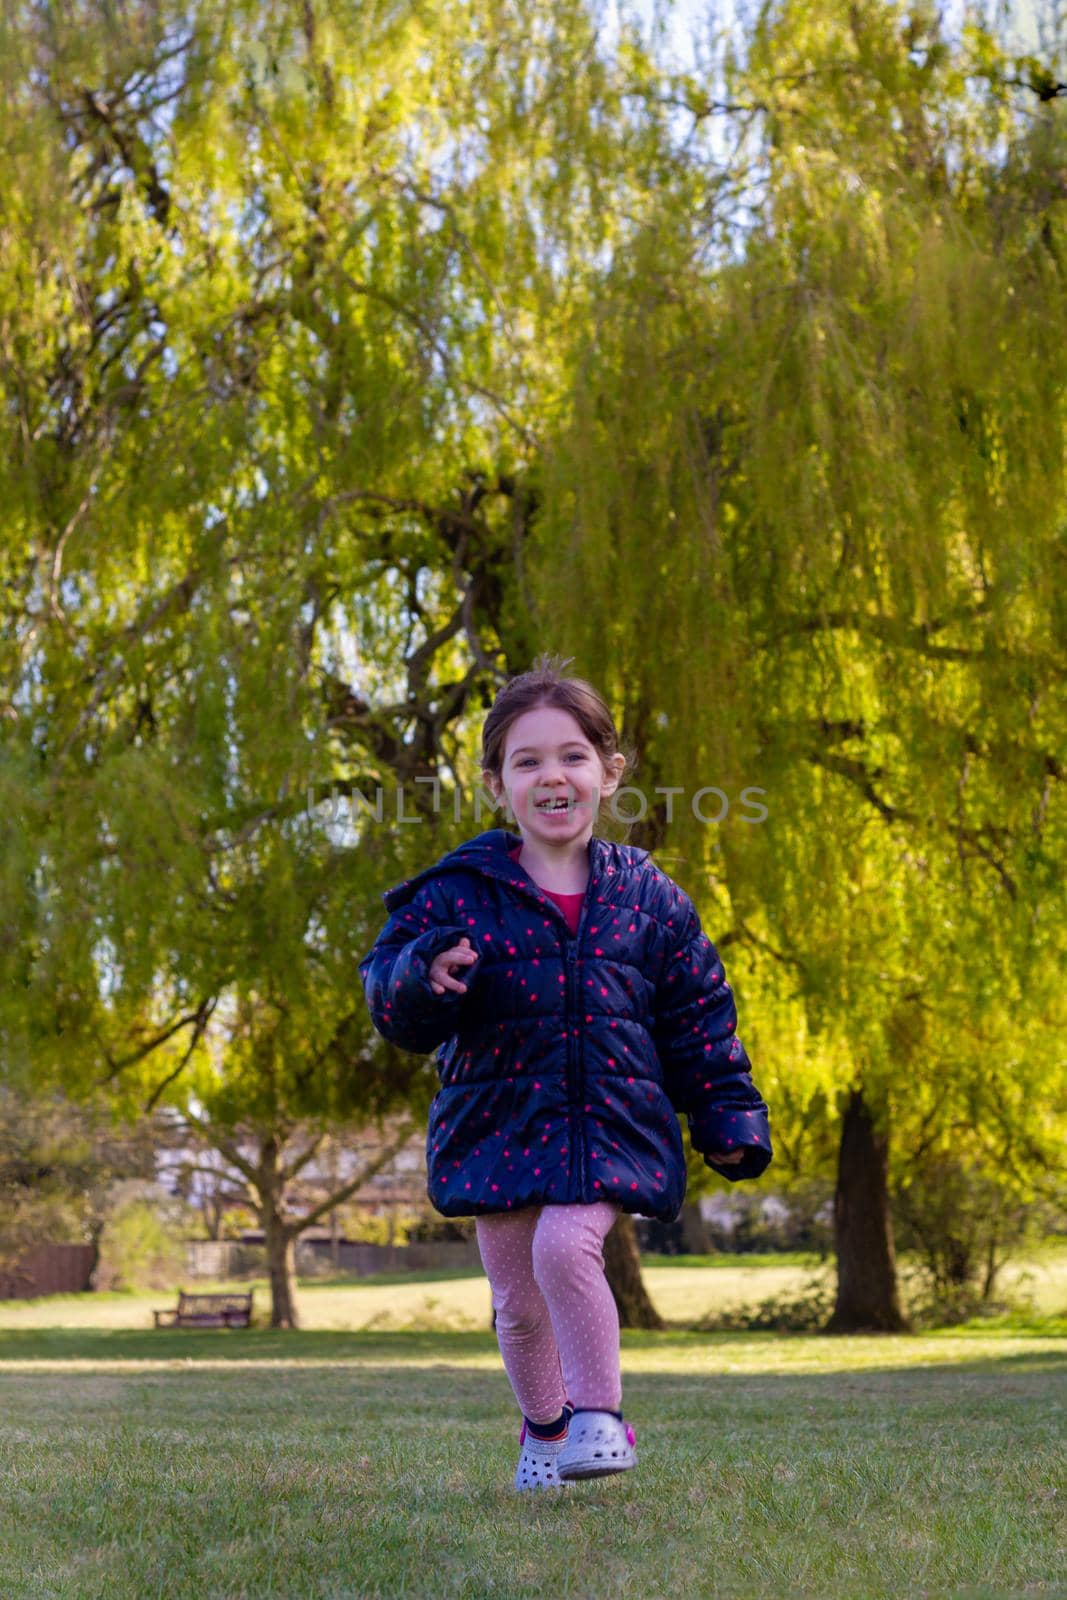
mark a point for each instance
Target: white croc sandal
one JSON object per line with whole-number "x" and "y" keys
{"x": 597, "y": 1444}
{"x": 538, "y": 1462}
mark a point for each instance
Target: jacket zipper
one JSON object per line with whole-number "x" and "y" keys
{"x": 570, "y": 943}
{"x": 574, "y": 1037}
{"x": 573, "y": 1052}
{"x": 574, "y": 1055}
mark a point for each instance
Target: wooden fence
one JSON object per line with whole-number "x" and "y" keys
{"x": 48, "y": 1269}
{"x": 226, "y": 1258}
{"x": 363, "y": 1259}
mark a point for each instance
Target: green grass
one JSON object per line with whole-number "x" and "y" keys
{"x": 355, "y": 1460}
{"x": 347, "y": 1460}
{"x": 318, "y": 1463}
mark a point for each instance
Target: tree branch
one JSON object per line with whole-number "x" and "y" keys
{"x": 203, "y": 1016}
{"x": 224, "y": 1146}
{"x": 891, "y": 630}
{"x": 153, "y": 1044}
{"x": 178, "y": 597}
{"x": 388, "y": 1154}
{"x": 288, "y": 1173}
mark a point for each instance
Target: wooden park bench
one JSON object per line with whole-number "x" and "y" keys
{"x": 207, "y": 1311}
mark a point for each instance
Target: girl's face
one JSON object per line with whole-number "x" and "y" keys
{"x": 547, "y": 757}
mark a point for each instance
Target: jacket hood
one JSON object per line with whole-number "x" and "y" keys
{"x": 488, "y": 852}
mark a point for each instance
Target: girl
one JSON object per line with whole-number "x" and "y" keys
{"x": 575, "y": 1006}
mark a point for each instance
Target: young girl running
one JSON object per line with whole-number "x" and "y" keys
{"x": 575, "y": 1006}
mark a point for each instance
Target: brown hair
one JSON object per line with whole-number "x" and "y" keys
{"x": 545, "y": 685}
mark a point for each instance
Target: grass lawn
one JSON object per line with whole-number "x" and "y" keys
{"x": 378, "y": 1464}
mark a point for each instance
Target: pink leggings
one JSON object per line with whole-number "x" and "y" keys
{"x": 556, "y": 1319}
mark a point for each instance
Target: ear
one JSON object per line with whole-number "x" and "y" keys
{"x": 613, "y": 771}
{"x": 494, "y": 786}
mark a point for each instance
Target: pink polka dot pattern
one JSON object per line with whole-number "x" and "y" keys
{"x": 557, "y": 1324}
{"x": 584, "y": 1032}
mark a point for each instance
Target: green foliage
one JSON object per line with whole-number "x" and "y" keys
{"x": 806, "y": 1310}
{"x": 360, "y": 1227}
{"x": 60, "y": 1162}
{"x": 821, "y": 482}
{"x": 963, "y": 1220}
{"x": 142, "y": 1245}
{"x": 236, "y": 1220}
{"x": 295, "y": 279}
{"x": 347, "y": 356}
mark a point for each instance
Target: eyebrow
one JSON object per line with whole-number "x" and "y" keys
{"x": 531, "y": 749}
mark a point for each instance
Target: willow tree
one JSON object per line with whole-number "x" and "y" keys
{"x": 295, "y": 301}
{"x": 807, "y": 506}
{"x": 283, "y": 292}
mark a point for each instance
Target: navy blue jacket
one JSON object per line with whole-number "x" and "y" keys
{"x": 564, "y": 1063}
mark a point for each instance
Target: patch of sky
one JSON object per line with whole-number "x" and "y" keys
{"x": 108, "y": 968}
{"x": 337, "y": 815}
{"x": 1030, "y": 27}
{"x": 360, "y": 655}
{"x": 233, "y": 785}
{"x": 692, "y": 37}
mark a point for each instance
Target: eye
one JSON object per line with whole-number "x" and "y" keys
{"x": 578, "y": 755}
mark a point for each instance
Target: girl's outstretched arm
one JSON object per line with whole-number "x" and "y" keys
{"x": 403, "y": 1006}
{"x": 706, "y": 1071}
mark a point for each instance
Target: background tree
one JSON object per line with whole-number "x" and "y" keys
{"x": 281, "y": 315}
{"x": 814, "y": 462}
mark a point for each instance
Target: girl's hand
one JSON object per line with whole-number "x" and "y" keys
{"x": 460, "y": 955}
{"x": 730, "y": 1160}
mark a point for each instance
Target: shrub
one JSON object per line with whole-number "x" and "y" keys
{"x": 441, "y": 1230}
{"x": 142, "y": 1244}
{"x": 806, "y": 1310}
{"x": 361, "y": 1228}
{"x": 962, "y": 1221}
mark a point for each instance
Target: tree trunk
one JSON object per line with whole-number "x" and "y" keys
{"x": 867, "y": 1295}
{"x": 335, "y": 1221}
{"x": 622, "y": 1268}
{"x": 992, "y": 1267}
{"x": 96, "y": 1233}
{"x": 695, "y": 1241}
{"x": 281, "y": 1268}
{"x": 279, "y": 1239}
{"x": 211, "y": 1211}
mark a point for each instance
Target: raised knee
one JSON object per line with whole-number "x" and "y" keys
{"x": 557, "y": 1259}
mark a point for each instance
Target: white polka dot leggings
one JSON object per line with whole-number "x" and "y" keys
{"x": 556, "y": 1319}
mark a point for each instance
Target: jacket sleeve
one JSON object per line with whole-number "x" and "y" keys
{"x": 395, "y": 974}
{"x": 706, "y": 1070}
